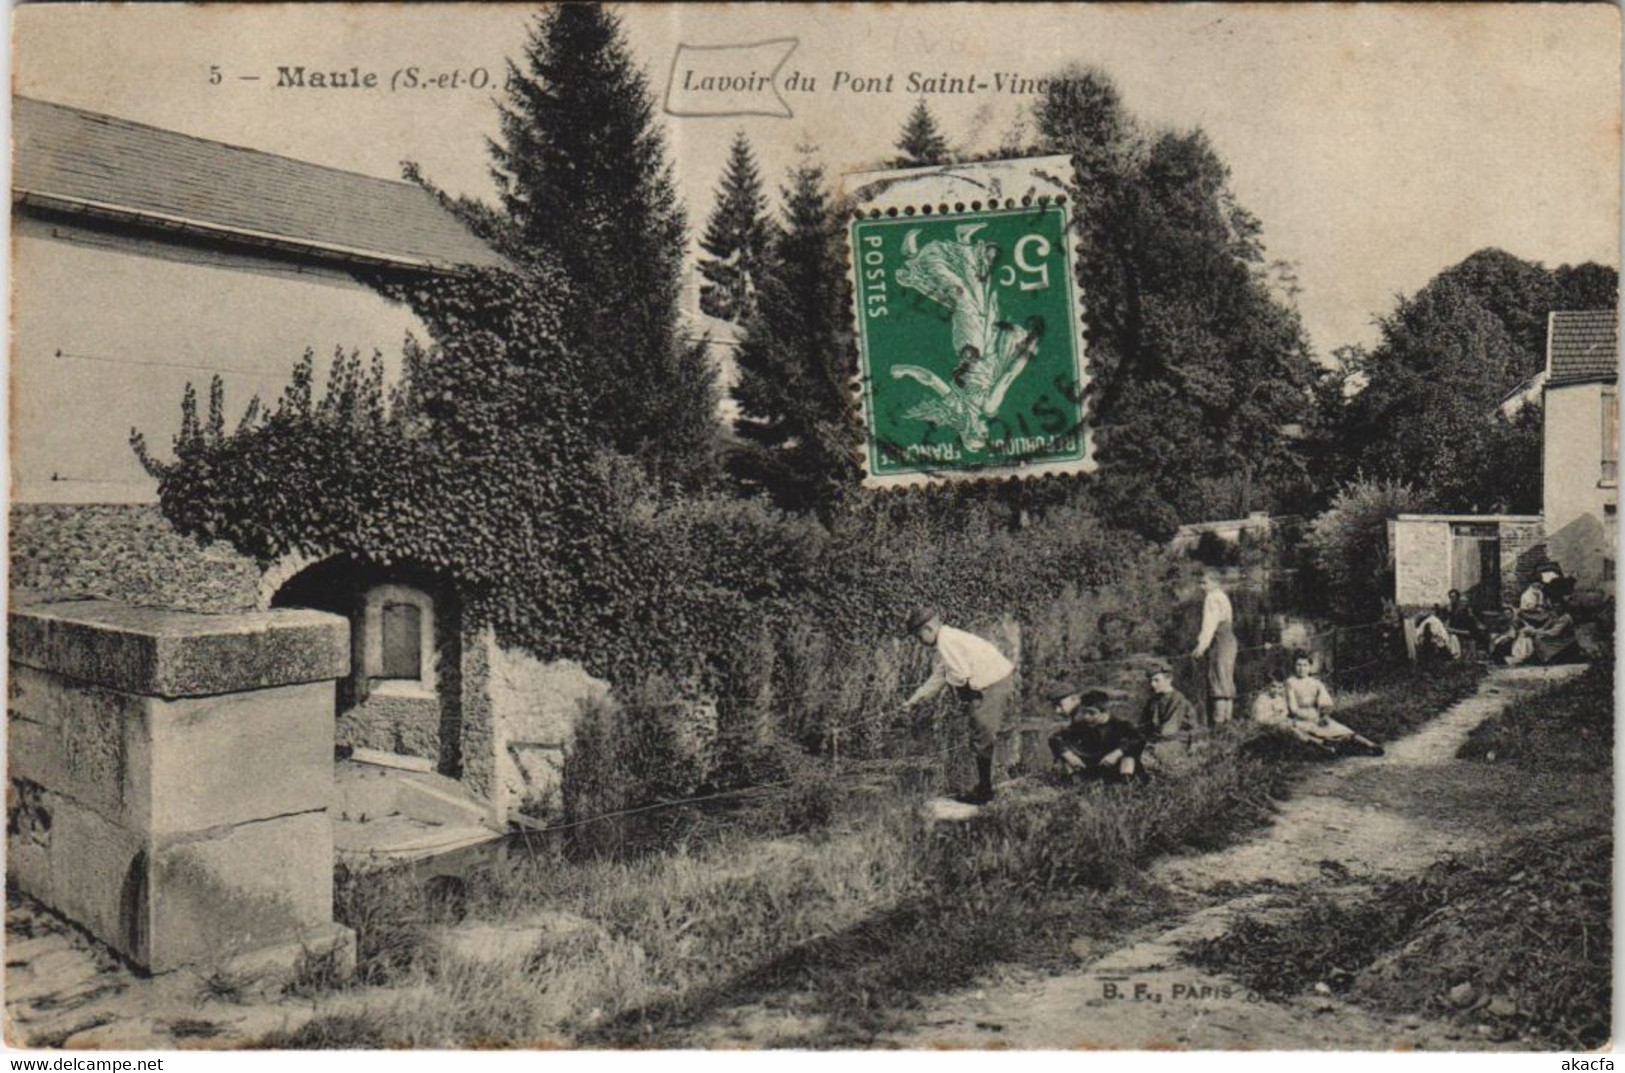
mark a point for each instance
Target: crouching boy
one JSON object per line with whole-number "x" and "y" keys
{"x": 1094, "y": 744}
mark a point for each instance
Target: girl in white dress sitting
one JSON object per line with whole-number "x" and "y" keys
{"x": 1308, "y": 703}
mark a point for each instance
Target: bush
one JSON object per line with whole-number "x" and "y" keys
{"x": 1348, "y": 545}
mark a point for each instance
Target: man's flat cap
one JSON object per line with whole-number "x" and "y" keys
{"x": 920, "y": 617}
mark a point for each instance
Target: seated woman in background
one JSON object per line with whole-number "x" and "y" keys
{"x": 1465, "y": 622}
{"x": 1307, "y": 703}
{"x": 1556, "y": 642}
{"x": 1551, "y": 640}
{"x": 1434, "y": 640}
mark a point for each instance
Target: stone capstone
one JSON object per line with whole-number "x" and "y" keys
{"x": 178, "y": 654}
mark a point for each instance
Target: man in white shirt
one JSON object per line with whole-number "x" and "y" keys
{"x": 982, "y": 676}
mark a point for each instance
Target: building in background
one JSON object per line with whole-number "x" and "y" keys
{"x": 145, "y": 259}
{"x": 1581, "y": 444}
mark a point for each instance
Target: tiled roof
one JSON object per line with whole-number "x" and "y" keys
{"x": 1582, "y": 347}
{"x": 66, "y": 157}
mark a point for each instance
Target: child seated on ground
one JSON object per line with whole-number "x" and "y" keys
{"x": 1169, "y": 724}
{"x": 1269, "y": 707}
{"x": 1095, "y": 744}
{"x": 1307, "y": 703}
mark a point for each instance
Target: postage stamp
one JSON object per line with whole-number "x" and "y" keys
{"x": 971, "y": 355}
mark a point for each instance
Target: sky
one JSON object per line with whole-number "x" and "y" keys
{"x": 1377, "y": 143}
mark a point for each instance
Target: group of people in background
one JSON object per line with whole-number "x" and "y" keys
{"x": 1540, "y": 629}
{"x": 1169, "y": 735}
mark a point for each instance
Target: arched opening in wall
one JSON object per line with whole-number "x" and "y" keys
{"x": 404, "y": 691}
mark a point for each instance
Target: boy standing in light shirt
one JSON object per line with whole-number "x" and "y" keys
{"x": 1217, "y": 641}
{"x": 982, "y": 676}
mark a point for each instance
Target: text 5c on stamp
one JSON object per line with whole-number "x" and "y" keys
{"x": 972, "y": 361}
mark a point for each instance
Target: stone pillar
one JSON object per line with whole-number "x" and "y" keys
{"x": 1421, "y": 562}
{"x": 519, "y": 719}
{"x": 170, "y": 775}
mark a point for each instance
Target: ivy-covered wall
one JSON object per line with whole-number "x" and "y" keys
{"x": 125, "y": 552}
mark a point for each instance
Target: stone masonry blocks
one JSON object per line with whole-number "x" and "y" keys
{"x": 170, "y": 776}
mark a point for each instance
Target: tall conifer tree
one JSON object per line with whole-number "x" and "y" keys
{"x": 735, "y": 239}
{"x": 792, "y": 388}
{"x": 921, "y": 143}
{"x": 585, "y": 183}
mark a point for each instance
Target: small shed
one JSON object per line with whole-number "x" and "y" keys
{"x": 1487, "y": 557}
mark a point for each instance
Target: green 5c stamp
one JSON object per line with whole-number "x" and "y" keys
{"x": 970, "y": 337}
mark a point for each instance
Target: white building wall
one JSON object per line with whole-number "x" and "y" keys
{"x": 89, "y": 295}
{"x": 1578, "y": 496}
{"x": 1421, "y": 562}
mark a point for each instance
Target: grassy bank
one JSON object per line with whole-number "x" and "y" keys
{"x": 1514, "y": 941}
{"x": 1569, "y": 728}
{"x": 1517, "y": 940}
{"x": 848, "y": 926}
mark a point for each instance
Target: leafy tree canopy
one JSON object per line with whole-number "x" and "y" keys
{"x": 1424, "y": 404}
{"x": 1203, "y": 373}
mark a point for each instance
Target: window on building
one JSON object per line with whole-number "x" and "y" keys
{"x": 396, "y": 641}
{"x": 402, "y": 629}
{"x": 1610, "y": 434}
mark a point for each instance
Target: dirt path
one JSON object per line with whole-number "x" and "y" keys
{"x": 1346, "y": 822}
{"x": 1354, "y": 820}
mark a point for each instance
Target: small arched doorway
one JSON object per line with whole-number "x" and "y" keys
{"x": 404, "y": 691}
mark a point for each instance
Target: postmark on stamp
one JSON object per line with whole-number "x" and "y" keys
{"x": 971, "y": 354}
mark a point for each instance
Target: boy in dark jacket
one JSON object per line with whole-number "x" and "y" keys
{"x": 1170, "y": 725}
{"x": 1094, "y": 743}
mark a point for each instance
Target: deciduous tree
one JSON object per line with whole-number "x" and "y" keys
{"x": 1201, "y": 371}
{"x": 1426, "y": 408}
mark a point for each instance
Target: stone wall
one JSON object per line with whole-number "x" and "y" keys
{"x": 1523, "y": 547}
{"x": 403, "y": 725}
{"x": 124, "y": 552}
{"x": 1421, "y": 562}
{"x": 474, "y": 731}
{"x": 170, "y": 776}
{"x": 1423, "y": 546}
{"x": 529, "y": 707}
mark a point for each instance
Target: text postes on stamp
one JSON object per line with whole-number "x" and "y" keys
{"x": 972, "y": 360}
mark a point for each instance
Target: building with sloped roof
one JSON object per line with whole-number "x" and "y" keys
{"x": 1489, "y": 558}
{"x": 1581, "y": 443}
{"x": 146, "y": 259}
